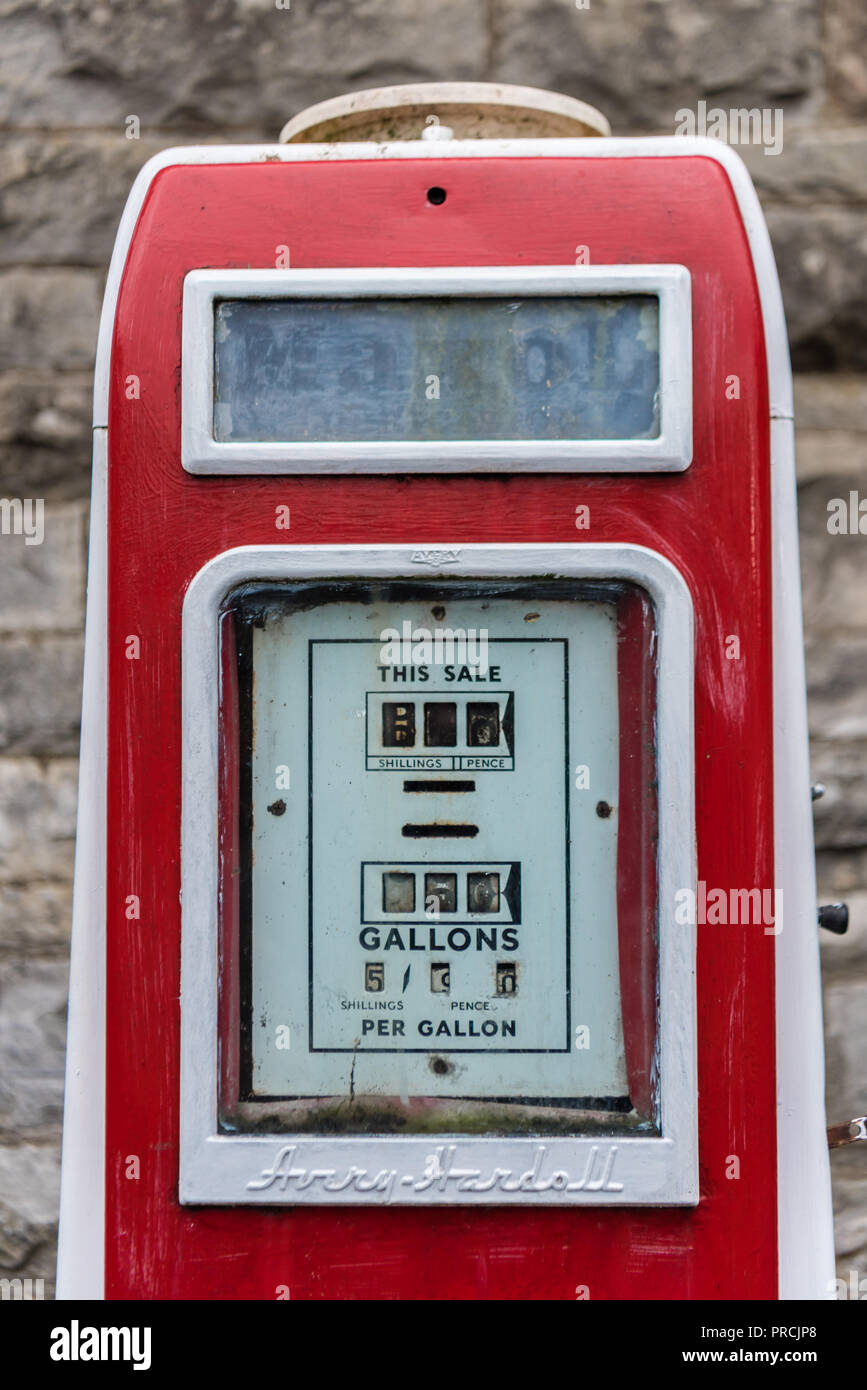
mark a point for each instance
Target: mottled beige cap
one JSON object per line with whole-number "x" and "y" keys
{"x": 445, "y": 110}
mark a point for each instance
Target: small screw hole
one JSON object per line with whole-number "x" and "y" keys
{"x": 603, "y": 810}
{"x": 438, "y": 612}
{"x": 436, "y": 196}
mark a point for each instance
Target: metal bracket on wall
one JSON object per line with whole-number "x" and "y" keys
{"x": 840, "y": 1135}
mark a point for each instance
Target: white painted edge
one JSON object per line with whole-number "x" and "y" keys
{"x": 80, "y": 1252}
{"x": 804, "y": 1209}
{"x": 222, "y": 1168}
{"x": 806, "y": 1254}
{"x": 671, "y": 450}
{"x": 806, "y": 1221}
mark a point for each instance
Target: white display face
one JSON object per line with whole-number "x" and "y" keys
{"x": 431, "y": 902}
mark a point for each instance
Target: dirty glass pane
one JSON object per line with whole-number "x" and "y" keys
{"x": 567, "y": 367}
{"x": 446, "y": 930}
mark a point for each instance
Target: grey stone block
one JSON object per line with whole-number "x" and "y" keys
{"x": 836, "y": 402}
{"x": 821, "y": 254}
{"x": 837, "y": 688}
{"x": 850, "y": 1223}
{"x": 846, "y": 1048}
{"x": 48, "y": 319}
{"x": 828, "y": 453}
{"x": 40, "y": 695}
{"x": 37, "y": 819}
{"x": 845, "y": 52}
{"x": 42, "y": 586}
{"x": 21, "y": 1242}
{"x": 45, "y": 434}
{"x": 224, "y": 64}
{"x": 840, "y": 873}
{"x": 29, "y": 1197}
{"x": 32, "y": 1044}
{"x": 35, "y": 916}
{"x": 841, "y": 816}
{"x": 847, "y": 955}
{"x": 639, "y": 63}
{"x": 46, "y": 410}
{"x": 817, "y": 166}
{"x": 63, "y": 193}
{"x": 831, "y": 429}
{"x": 832, "y": 566}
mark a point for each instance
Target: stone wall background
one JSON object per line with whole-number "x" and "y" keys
{"x": 194, "y": 71}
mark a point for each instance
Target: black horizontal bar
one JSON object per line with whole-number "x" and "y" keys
{"x": 442, "y": 832}
{"x": 439, "y": 786}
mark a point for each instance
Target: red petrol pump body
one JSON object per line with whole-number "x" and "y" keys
{"x": 735, "y": 1216}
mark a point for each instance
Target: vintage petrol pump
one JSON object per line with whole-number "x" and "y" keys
{"x": 445, "y": 910}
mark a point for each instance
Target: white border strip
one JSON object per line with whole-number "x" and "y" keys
{"x": 232, "y": 1168}
{"x": 80, "y": 1249}
{"x": 671, "y": 450}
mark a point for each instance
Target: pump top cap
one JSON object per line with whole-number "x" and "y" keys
{"x": 445, "y": 110}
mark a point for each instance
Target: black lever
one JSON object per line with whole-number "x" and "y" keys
{"x": 834, "y": 917}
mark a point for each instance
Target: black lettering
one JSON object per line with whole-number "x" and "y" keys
{"x": 369, "y": 939}
{"x": 510, "y": 939}
{"x": 394, "y": 938}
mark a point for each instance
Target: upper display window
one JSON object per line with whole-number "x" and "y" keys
{"x": 573, "y": 369}
{"x": 399, "y": 370}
